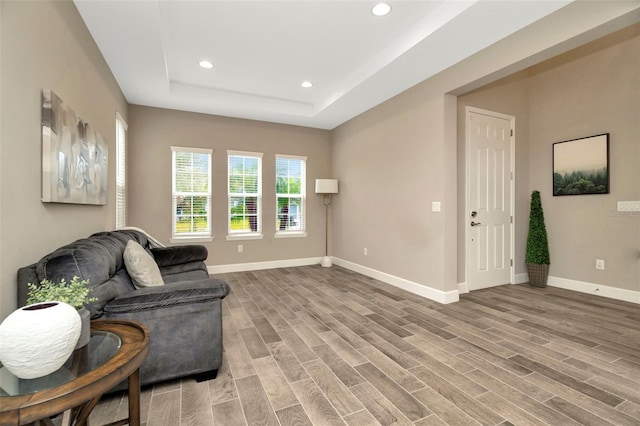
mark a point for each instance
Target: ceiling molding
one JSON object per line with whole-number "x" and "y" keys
{"x": 262, "y": 50}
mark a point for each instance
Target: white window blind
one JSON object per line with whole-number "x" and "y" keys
{"x": 191, "y": 192}
{"x": 245, "y": 193}
{"x": 290, "y": 194}
{"x": 121, "y": 171}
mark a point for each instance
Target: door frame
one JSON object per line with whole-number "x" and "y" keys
{"x": 512, "y": 189}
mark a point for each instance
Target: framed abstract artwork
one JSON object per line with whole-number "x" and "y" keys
{"x": 74, "y": 157}
{"x": 581, "y": 166}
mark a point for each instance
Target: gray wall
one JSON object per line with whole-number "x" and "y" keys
{"x": 45, "y": 45}
{"x": 390, "y": 162}
{"x": 152, "y": 132}
{"x": 594, "y": 90}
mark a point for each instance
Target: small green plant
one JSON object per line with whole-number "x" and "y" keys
{"x": 537, "y": 244}
{"x": 74, "y": 293}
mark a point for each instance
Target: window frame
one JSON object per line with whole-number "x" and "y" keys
{"x": 190, "y": 236}
{"x": 244, "y": 234}
{"x": 121, "y": 172}
{"x": 288, "y": 233}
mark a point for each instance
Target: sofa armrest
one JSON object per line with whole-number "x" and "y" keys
{"x": 167, "y": 256}
{"x": 172, "y": 294}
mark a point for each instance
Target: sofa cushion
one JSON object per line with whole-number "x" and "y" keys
{"x": 191, "y": 271}
{"x": 169, "y": 256}
{"x": 115, "y": 286}
{"x": 97, "y": 259}
{"x": 141, "y": 266}
{"x": 87, "y": 259}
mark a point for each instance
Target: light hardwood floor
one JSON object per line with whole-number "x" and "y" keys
{"x": 327, "y": 346}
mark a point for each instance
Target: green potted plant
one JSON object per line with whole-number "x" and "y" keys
{"x": 537, "y": 255}
{"x": 74, "y": 293}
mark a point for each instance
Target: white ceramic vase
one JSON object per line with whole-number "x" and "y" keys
{"x": 37, "y": 339}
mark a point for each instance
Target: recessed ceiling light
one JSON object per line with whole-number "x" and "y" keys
{"x": 306, "y": 84}
{"x": 205, "y": 64}
{"x": 381, "y": 9}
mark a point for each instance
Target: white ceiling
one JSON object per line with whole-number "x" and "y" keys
{"x": 262, "y": 50}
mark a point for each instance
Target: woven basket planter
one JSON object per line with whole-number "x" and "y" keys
{"x": 538, "y": 274}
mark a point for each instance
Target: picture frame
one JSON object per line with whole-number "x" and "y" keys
{"x": 74, "y": 157}
{"x": 581, "y": 166}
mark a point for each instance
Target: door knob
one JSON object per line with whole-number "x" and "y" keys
{"x": 475, "y": 223}
{"x": 474, "y": 213}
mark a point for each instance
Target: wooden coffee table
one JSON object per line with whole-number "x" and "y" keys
{"x": 115, "y": 352}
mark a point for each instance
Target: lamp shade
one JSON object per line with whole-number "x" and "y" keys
{"x": 326, "y": 186}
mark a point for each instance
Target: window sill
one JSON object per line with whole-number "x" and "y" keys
{"x": 191, "y": 239}
{"x": 290, "y": 235}
{"x": 240, "y": 237}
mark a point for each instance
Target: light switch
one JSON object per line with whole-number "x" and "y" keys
{"x": 629, "y": 206}
{"x": 435, "y": 206}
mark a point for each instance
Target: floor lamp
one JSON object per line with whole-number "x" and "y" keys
{"x": 326, "y": 187}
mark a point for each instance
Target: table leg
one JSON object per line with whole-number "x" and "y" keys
{"x": 84, "y": 411}
{"x": 79, "y": 361}
{"x": 134, "y": 398}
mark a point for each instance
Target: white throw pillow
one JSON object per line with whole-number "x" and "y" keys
{"x": 142, "y": 268}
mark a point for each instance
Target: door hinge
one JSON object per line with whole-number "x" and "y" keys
{"x": 511, "y": 262}
{"x": 511, "y": 175}
{"x": 510, "y": 219}
{"x": 511, "y": 132}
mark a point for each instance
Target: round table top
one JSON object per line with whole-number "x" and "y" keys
{"x": 116, "y": 350}
{"x": 101, "y": 347}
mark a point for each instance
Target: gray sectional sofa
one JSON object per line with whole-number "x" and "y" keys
{"x": 184, "y": 316}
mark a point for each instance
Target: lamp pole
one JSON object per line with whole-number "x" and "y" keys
{"x": 326, "y": 187}
{"x": 326, "y": 260}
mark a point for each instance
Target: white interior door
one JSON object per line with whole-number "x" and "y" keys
{"x": 489, "y": 195}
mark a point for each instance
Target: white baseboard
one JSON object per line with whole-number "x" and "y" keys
{"x": 521, "y": 278}
{"x": 597, "y": 289}
{"x": 425, "y": 291}
{"x": 419, "y": 289}
{"x": 410, "y": 286}
{"x": 255, "y": 266}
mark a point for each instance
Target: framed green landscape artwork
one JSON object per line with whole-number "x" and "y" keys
{"x": 581, "y": 166}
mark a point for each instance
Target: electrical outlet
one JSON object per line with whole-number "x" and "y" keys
{"x": 435, "y": 206}
{"x": 600, "y": 264}
{"x": 366, "y": 252}
{"x": 240, "y": 248}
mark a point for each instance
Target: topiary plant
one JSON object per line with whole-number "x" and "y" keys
{"x": 537, "y": 244}
{"x": 74, "y": 293}
{"x": 537, "y": 255}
